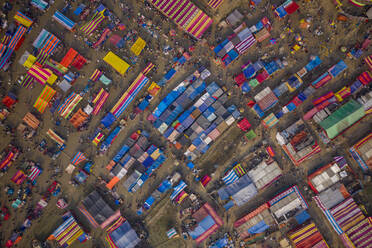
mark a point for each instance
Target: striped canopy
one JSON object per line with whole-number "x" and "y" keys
{"x": 69, "y": 104}
{"x": 185, "y": 14}
{"x": 230, "y": 177}
{"x": 178, "y": 189}
{"x": 131, "y": 92}
{"x": 99, "y": 100}
{"x": 96, "y": 75}
{"x": 215, "y": 3}
{"x": 22, "y": 19}
{"x": 41, "y": 75}
{"x": 55, "y": 137}
{"x": 96, "y": 20}
{"x": 44, "y": 98}
{"x": 34, "y": 173}
{"x": 78, "y": 158}
{"x": 63, "y": 20}
{"x": 67, "y": 233}
{"x": 50, "y": 44}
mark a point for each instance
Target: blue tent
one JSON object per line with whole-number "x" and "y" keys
{"x": 249, "y": 71}
{"x": 190, "y": 165}
{"x": 228, "y": 205}
{"x": 221, "y": 243}
{"x": 124, "y": 149}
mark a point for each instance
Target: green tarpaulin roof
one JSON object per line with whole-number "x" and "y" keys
{"x": 250, "y": 135}
{"x": 342, "y": 118}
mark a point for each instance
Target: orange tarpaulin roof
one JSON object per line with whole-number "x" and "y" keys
{"x": 31, "y": 120}
{"x": 69, "y": 57}
{"x": 78, "y": 118}
{"x": 112, "y": 183}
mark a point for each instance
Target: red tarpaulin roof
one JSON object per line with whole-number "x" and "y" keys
{"x": 69, "y": 57}
{"x": 8, "y": 101}
{"x": 365, "y": 78}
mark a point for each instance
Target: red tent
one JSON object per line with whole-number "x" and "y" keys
{"x": 78, "y": 62}
{"x": 9, "y": 100}
{"x": 244, "y": 124}
{"x": 240, "y": 79}
{"x": 292, "y": 7}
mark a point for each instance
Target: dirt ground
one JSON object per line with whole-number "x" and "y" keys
{"x": 227, "y": 149}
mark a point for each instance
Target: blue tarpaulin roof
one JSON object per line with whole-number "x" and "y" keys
{"x": 338, "y": 68}
{"x": 228, "y": 205}
{"x": 202, "y": 227}
{"x": 170, "y": 74}
{"x": 164, "y": 186}
{"x": 249, "y": 71}
{"x": 258, "y": 228}
{"x": 108, "y": 120}
{"x": 302, "y": 217}
{"x": 149, "y": 201}
{"x": 221, "y": 243}
{"x": 107, "y": 142}
{"x": 124, "y": 236}
{"x": 280, "y": 11}
{"x": 124, "y": 149}
{"x": 313, "y": 63}
{"x": 79, "y": 9}
{"x": 229, "y": 190}
{"x": 143, "y": 105}
{"x": 190, "y": 165}
{"x": 233, "y": 54}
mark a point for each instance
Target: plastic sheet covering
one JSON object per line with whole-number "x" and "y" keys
{"x": 227, "y": 191}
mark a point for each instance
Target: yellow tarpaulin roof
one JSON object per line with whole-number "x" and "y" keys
{"x": 52, "y": 79}
{"x": 30, "y": 61}
{"x": 138, "y": 46}
{"x": 116, "y": 62}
